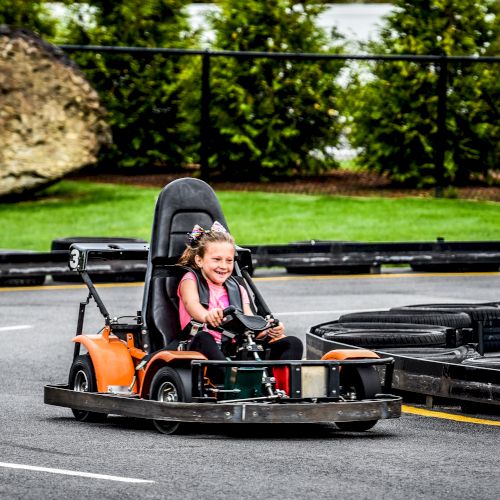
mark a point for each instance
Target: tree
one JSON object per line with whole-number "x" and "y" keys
{"x": 271, "y": 117}
{"x": 141, "y": 93}
{"x": 32, "y": 15}
{"x": 394, "y": 113}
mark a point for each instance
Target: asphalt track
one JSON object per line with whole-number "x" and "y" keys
{"x": 45, "y": 453}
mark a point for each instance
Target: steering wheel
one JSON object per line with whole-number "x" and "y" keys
{"x": 237, "y": 322}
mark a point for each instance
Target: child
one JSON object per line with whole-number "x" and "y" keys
{"x": 211, "y": 253}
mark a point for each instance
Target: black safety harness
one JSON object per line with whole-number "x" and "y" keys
{"x": 233, "y": 292}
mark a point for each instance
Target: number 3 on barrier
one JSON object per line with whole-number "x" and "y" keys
{"x": 74, "y": 257}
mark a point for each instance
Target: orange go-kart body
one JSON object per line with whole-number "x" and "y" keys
{"x": 115, "y": 362}
{"x": 341, "y": 354}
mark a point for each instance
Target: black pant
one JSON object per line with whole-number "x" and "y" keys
{"x": 286, "y": 348}
{"x": 205, "y": 343}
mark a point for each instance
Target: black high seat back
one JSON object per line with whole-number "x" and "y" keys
{"x": 180, "y": 205}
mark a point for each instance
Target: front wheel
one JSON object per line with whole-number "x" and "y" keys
{"x": 358, "y": 426}
{"x": 171, "y": 385}
{"x": 358, "y": 383}
{"x": 82, "y": 379}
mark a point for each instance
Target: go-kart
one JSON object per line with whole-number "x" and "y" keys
{"x": 143, "y": 368}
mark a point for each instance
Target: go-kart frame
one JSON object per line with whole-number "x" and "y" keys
{"x": 169, "y": 386}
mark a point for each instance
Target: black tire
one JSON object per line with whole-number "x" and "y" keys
{"x": 82, "y": 379}
{"x": 451, "y": 319}
{"x": 455, "y": 268}
{"x": 446, "y": 355}
{"x": 324, "y": 328}
{"x": 484, "y": 362}
{"x": 374, "y": 335}
{"x": 171, "y": 385}
{"x": 477, "y": 312}
{"x": 358, "y": 383}
{"x": 357, "y": 426}
{"x": 65, "y": 243}
{"x": 32, "y": 281}
{"x": 383, "y": 335}
{"x": 383, "y": 339}
{"x": 314, "y": 270}
{"x": 491, "y": 343}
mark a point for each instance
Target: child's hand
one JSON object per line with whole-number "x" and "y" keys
{"x": 214, "y": 317}
{"x": 276, "y": 332}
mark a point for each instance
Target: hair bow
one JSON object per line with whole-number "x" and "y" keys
{"x": 197, "y": 232}
{"x": 217, "y": 227}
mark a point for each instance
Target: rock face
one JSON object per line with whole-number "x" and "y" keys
{"x": 51, "y": 120}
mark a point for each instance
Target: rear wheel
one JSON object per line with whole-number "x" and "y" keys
{"x": 358, "y": 383}
{"x": 82, "y": 379}
{"x": 171, "y": 385}
{"x": 359, "y": 426}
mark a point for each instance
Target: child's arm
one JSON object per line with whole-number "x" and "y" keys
{"x": 191, "y": 300}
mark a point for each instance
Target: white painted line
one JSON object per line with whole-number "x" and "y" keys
{"x": 15, "y": 327}
{"x": 74, "y": 473}
{"x": 338, "y": 312}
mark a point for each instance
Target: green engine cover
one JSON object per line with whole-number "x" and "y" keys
{"x": 248, "y": 381}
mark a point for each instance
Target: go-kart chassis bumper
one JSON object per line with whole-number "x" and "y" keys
{"x": 383, "y": 406}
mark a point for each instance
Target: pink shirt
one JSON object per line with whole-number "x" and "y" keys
{"x": 218, "y": 298}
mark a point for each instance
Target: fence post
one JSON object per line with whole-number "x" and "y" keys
{"x": 440, "y": 145}
{"x": 205, "y": 117}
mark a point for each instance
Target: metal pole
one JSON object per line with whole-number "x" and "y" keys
{"x": 205, "y": 117}
{"x": 262, "y": 306}
{"x": 93, "y": 292}
{"x": 440, "y": 145}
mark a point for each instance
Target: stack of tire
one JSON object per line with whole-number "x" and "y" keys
{"x": 439, "y": 332}
{"x": 29, "y": 280}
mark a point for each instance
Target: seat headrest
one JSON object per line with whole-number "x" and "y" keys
{"x": 180, "y": 205}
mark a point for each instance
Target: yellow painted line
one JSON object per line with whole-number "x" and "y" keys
{"x": 448, "y": 416}
{"x": 49, "y": 288}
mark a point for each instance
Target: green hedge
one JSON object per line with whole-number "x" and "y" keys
{"x": 394, "y": 114}
{"x": 274, "y": 118}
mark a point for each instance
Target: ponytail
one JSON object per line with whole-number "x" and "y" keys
{"x": 187, "y": 257}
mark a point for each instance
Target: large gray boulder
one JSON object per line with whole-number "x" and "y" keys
{"x": 51, "y": 120}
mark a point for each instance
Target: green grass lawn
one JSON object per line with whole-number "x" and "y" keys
{"x": 72, "y": 208}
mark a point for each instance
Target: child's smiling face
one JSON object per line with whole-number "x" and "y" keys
{"x": 217, "y": 263}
